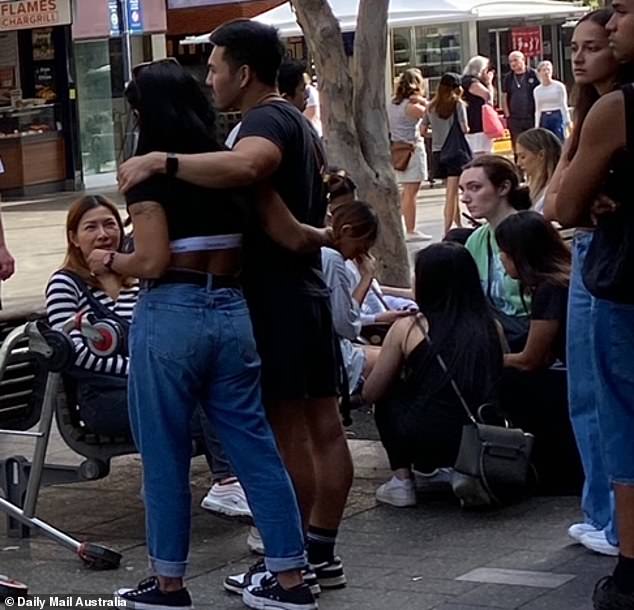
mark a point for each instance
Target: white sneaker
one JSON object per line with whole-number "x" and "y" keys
{"x": 439, "y": 478}
{"x": 397, "y": 492}
{"x": 577, "y": 530}
{"x": 417, "y": 236}
{"x": 597, "y": 542}
{"x": 228, "y": 499}
{"x": 254, "y": 541}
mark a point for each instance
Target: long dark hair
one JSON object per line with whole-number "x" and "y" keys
{"x": 536, "y": 249}
{"x": 448, "y": 96}
{"x": 461, "y": 328}
{"x": 585, "y": 96}
{"x": 174, "y": 114}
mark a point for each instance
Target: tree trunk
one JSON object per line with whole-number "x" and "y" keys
{"x": 355, "y": 118}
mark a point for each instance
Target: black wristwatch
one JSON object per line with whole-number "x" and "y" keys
{"x": 171, "y": 164}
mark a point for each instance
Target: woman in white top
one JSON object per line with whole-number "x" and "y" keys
{"x": 405, "y": 114}
{"x": 538, "y": 152}
{"x": 551, "y": 102}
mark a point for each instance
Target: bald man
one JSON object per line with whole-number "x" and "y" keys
{"x": 517, "y": 100}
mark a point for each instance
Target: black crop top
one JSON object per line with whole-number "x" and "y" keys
{"x": 193, "y": 211}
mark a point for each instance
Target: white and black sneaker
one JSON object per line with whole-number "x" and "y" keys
{"x": 148, "y": 596}
{"x": 330, "y": 574}
{"x": 254, "y": 575}
{"x": 270, "y": 595}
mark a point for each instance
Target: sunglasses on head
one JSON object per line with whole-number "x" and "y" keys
{"x": 166, "y": 60}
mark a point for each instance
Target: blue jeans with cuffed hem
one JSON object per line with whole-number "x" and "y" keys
{"x": 614, "y": 363}
{"x": 597, "y": 500}
{"x": 194, "y": 345}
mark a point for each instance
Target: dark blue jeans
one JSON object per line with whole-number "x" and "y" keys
{"x": 553, "y": 120}
{"x": 191, "y": 345}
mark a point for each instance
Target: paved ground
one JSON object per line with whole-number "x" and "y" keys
{"x": 431, "y": 556}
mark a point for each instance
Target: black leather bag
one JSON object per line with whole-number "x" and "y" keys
{"x": 608, "y": 270}
{"x": 455, "y": 152}
{"x": 493, "y": 464}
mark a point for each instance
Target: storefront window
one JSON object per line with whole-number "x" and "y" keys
{"x": 433, "y": 50}
{"x": 94, "y": 93}
{"x": 438, "y": 50}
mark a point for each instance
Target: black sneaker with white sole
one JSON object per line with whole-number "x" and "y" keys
{"x": 330, "y": 574}
{"x": 270, "y": 595}
{"x": 148, "y": 596}
{"x": 253, "y": 576}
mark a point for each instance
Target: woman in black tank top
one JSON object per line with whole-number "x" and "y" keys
{"x": 417, "y": 412}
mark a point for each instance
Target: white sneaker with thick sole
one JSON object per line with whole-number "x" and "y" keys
{"x": 577, "y": 530}
{"x": 417, "y": 236}
{"x": 227, "y": 499}
{"x": 397, "y": 492}
{"x": 597, "y": 542}
{"x": 439, "y": 478}
{"x": 254, "y": 541}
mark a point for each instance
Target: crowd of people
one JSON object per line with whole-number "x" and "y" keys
{"x": 223, "y": 233}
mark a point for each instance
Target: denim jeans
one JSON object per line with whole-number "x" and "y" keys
{"x": 192, "y": 345}
{"x": 553, "y": 120}
{"x": 597, "y": 501}
{"x": 614, "y": 362}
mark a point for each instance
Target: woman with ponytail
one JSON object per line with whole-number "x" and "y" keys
{"x": 490, "y": 187}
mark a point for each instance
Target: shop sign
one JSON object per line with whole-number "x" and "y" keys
{"x": 528, "y": 40}
{"x": 29, "y": 14}
{"x": 113, "y": 16}
{"x": 135, "y": 16}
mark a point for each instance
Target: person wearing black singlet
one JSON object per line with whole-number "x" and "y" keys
{"x": 191, "y": 342}
{"x": 278, "y": 154}
{"x": 603, "y": 166}
{"x": 417, "y": 412}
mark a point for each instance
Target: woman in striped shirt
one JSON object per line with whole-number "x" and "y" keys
{"x": 94, "y": 222}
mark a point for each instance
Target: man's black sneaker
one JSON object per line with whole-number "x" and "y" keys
{"x": 330, "y": 574}
{"x": 607, "y": 596}
{"x": 255, "y": 574}
{"x": 270, "y": 595}
{"x": 148, "y": 596}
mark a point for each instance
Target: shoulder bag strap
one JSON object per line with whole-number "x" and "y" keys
{"x": 445, "y": 370}
{"x": 95, "y": 304}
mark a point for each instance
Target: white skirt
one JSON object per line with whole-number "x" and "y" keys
{"x": 416, "y": 170}
{"x": 479, "y": 142}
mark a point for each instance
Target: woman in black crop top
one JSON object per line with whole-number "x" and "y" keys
{"x": 191, "y": 343}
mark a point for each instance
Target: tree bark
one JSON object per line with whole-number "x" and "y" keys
{"x": 355, "y": 118}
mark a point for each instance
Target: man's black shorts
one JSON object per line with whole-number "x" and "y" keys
{"x": 297, "y": 345}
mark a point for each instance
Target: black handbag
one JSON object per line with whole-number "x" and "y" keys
{"x": 493, "y": 464}
{"x": 608, "y": 269}
{"x": 455, "y": 151}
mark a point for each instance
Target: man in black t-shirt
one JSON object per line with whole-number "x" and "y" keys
{"x": 279, "y": 155}
{"x": 518, "y": 101}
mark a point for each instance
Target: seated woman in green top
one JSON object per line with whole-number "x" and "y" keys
{"x": 490, "y": 188}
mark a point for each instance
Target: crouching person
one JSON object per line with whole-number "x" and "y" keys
{"x": 418, "y": 413}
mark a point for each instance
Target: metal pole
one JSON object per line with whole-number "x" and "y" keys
{"x": 126, "y": 46}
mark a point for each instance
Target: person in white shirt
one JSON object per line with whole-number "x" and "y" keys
{"x": 551, "y": 102}
{"x": 313, "y": 111}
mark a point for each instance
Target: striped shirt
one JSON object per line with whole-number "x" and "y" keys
{"x": 65, "y": 299}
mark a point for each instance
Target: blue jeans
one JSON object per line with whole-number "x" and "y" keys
{"x": 614, "y": 362}
{"x": 597, "y": 501}
{"x": 553, "y": 120}
{"x": 192, "y": 345}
